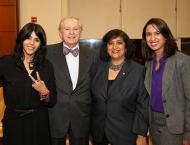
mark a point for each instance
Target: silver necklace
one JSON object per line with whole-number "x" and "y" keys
{"x": 115, "y": 67}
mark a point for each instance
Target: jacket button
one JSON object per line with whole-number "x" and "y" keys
{"x": 167, "y": 115}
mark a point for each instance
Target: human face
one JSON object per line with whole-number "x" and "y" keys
{"x": 116, "y": 49}
{"x": 31, "y": 45}
{"x": 155, "y": 40}
{"x": 70, "y": 32}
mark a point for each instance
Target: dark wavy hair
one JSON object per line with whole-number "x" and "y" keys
{"x": 112, "y": 34}
{"x": 170, "y": 45}
{"x": 24, "y": 34}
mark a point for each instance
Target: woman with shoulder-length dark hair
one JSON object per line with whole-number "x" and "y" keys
{"x": 168, "y": 83}
{"x": 119, "y": 97}
{"x": 29, "y": 89}
{"x": 129, "y": 53}
{"x": 170, "y": 45}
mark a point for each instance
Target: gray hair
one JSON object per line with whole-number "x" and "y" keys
{"x": 69, "y": 17}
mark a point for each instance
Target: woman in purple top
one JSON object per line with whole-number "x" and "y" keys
{"x": 168, "y": 83}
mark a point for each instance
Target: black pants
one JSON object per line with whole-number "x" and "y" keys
{"x": 72, "y": 139}
{"x": 103, "y": 142}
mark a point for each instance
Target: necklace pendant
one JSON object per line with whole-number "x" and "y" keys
{"x": 116, "y": 67}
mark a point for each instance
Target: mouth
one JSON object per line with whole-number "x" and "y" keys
{"x": 115, "y": 51}
{"x": 153, "y": 44}
{"x": 71, "y": 37}
{"x": 30, "y": 48}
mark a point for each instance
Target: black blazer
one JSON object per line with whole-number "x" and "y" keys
{"x": 121, "y": 111}
{"x": 73, "y": 106}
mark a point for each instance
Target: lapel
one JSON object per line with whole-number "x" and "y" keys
{"x": 148, "y": 76}
{"x": 124, "y": 72}
{"x": 167, "y": 75}
{"x": 104, "y": 80}
{"x": 84, "y": 61}
{"x": 63, "y": 63}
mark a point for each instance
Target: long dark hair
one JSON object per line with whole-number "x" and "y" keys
{"x": 170, "y": 45}
{"x": 24, "y": 34}
{"x": 112, "y": 34}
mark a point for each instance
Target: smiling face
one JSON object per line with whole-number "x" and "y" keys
{"x": 70, "y": 31}
{"x": 31, "y": 45}
{"x": 154, "y": 39}
{"x": 116, "y": 49}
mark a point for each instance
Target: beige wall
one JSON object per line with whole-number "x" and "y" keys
{"x": 135, "y": 13}
{"x": 99, "y": 16}
{"x": 183, "y": 16}
{"x": 48, "y": 13}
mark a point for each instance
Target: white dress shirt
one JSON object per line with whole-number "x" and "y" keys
{"x": 73, "y": 66}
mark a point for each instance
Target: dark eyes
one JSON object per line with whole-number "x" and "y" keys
{"x": 35, "y": 39}
{"x": 74, "y": 29}
{"x": 117, "y": 43}
{"x": 154, "y": 33}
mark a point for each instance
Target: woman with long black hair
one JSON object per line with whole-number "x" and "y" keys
{"x": 29, "y": 89}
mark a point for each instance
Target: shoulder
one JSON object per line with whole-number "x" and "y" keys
{"x": 136, "y": 69}
{"x": 87, "y": 49}
{"x": 54, "y": 50}
{"x": 52, "y": 47}
{"x": 136, "y": 65}
{"x": 7, "y": 64}
{"x": 181, "y": 58}
{"x": 180, "y": 61}
{"x": 90, "y": 54}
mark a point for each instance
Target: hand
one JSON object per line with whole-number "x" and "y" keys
{"x": 40, "y": 86}
{"x": 186, "y": 142}
{"x": 141, "y": 140}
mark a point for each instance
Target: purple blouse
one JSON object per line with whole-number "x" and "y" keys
{"x": 156, "y": 88}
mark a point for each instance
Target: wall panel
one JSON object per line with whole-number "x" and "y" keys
{"x": 8, "y": 25}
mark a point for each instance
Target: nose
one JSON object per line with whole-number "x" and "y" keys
{"x": 115, "y": 46}
{"x": 32, "y": 41}
{"x": 152, "y": 37}
{"x": 71, "y": 31}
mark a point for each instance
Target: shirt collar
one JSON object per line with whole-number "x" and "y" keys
{"x": 162, "y": 60}
{"x": 65, "y": 45}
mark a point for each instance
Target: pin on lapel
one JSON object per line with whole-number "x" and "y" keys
{"x": 123, "y": 73}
